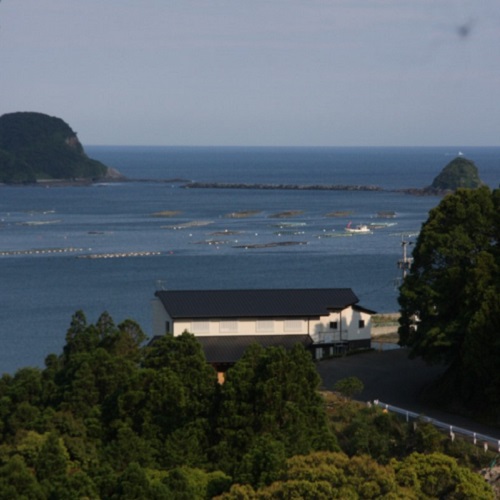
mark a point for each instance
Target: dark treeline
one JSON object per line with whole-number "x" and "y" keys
{"x": 114, "y": 417}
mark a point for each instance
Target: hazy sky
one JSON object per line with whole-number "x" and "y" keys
{"x": 257, "y": 72}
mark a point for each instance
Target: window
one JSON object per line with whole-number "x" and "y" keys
{"x": 334, "y": 325}
{"x": 264, "y": 326}
{"x": 292, "y": 325}
{"x": 200, "y": 327}
{"x": 226, "y": 326}
{"x": 167, "y": 326}
{"x": 361, "y": 323}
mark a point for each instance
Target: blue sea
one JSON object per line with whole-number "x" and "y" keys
{"x": 158, "y": 234}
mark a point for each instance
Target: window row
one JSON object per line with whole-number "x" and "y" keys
{"x": 261, "y": 326}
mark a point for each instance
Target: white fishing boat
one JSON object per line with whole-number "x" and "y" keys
{"x": 360, "y": 228}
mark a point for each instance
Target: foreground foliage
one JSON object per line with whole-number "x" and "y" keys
{"x": 109, "y": 408}
{"x": 326, "y": 475}
{"x": 111, "y": 417}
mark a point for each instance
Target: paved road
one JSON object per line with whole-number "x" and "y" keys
{"x": 392, "y": 378}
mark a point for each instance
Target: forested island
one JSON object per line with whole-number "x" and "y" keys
{"x": 35, "y": 147}
{"x": 459, "y": 173}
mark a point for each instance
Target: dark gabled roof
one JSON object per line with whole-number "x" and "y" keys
{"x": 230, "y": 348}
{"x": 357, "y": 307}
{"x": 307, "y": 302}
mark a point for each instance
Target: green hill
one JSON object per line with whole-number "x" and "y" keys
{"x": 35, "y": 146}
{"x": 459, "y": 173}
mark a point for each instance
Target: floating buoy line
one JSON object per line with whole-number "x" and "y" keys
{"x": 39, "y": 251}
{"x": 50, "y": 251}
{"x": 118, "y": 255}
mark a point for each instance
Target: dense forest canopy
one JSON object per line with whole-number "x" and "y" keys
{"x": 450, "y": 301}
{"x": 37, "y": 146}
{"x": 114, "y": 417}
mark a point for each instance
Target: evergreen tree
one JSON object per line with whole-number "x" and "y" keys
{"x": 450, "y": 301}
{"x": 184, "y": 357}
{"x": 18, "y": 481}
{"x": 52, "y": 462}
{"x": 271, "y": 392}
{"x": 133, "y": 484}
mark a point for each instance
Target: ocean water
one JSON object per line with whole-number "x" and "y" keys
{"x": 161, "y": 235}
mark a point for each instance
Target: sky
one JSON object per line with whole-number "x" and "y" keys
{"x": 257, "y": 72}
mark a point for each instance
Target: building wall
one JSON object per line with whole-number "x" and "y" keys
{"x": 341, "y": 326}
{"x": 242, "y": 327}
{"x": 162, "y": 322}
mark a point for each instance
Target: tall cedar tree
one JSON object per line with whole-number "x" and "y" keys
{"x": 274, "y": 393}
{"x": 450, "y": 301}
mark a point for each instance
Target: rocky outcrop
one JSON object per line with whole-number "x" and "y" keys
{"x": 459, "y": 173}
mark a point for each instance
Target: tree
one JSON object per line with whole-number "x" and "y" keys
{"x": 80, "y": 337}
{"x": 195, "y": 484}
{"x": 133, "y": 484}
{"x": 349, "y": 387}
{"x": 372, "y": 432}
{"x": 184, "y": 358}
{"x": 52, "y": 460}
{"x": 160, "y": 415}
{"x": 438, "y": 476}
{"x": 96, "y": 362}
{"x": 326, "y": 475}
{"x": 270, "y": 392}
{"x": 450, "y": 301}
{"x": 18, "y": 481}
{"x": 263, "y": 464}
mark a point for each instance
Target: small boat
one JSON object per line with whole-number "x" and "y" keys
{"x": 360, "y": 228}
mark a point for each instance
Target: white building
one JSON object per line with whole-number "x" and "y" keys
{"x": 326, "y": 320}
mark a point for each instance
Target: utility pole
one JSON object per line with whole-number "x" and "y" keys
{"x": 405, "y": 263}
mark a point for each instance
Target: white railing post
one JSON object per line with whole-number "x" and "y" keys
{"x": 453, "y": 431}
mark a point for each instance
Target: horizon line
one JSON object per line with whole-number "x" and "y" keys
{"x": 255, "y": 146}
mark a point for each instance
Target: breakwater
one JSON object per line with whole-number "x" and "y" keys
{"x": 303, "y": 187}
{"x": 314, "y": 187}
{"x": 187, "y": 184}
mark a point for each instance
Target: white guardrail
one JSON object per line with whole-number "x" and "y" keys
{"x": 478, "y": 439}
